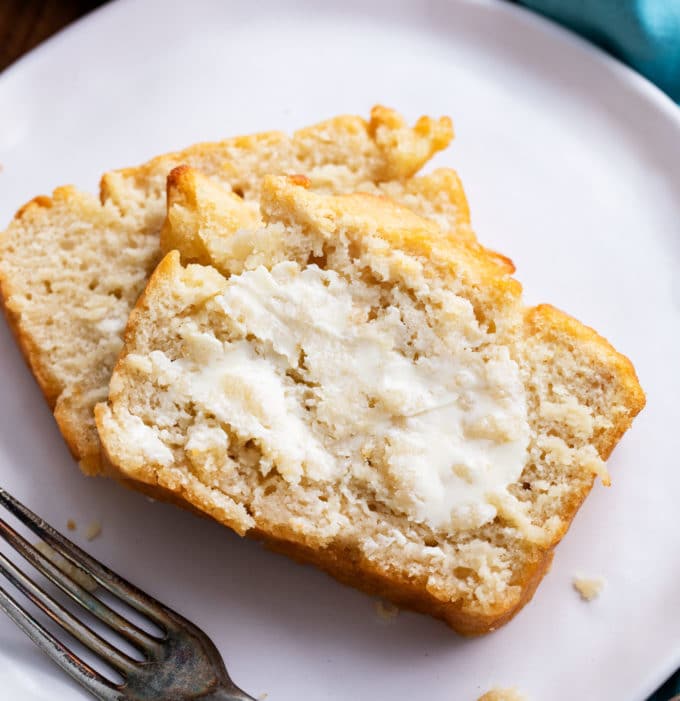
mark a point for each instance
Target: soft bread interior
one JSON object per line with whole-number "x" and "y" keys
{"x": 357, "y": 388}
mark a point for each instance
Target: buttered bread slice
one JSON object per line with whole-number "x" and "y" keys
{"x": 72, "y": 265}
{"x": 351, "y": 385}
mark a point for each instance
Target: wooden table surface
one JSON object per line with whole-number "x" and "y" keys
{"x": 25, "y": 23}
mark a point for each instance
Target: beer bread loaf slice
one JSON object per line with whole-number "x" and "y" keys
{"x": 365, "y": 394}
{"x": 72, "y": 265}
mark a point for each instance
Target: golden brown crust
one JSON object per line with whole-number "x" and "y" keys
{"x": 398, "y": 225}
{"x": 38, "y": 201}
{"x": 189, "y": 192}
{"x": 349, "y": 567}
{"x": 407, "y": 147}
{"x": 300, "y": 180}
{"x": 176, "y": 175}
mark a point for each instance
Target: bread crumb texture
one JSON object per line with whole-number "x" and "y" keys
{"x": 503, "y": 694}
{"x": 73, "y": 265}
{"x": 341, "y": 377}
{"x": 589, "y": 588}
{"x": 386, "y": 611}
{"x": 94, "y": 530}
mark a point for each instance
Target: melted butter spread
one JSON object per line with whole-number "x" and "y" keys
{"x": 320, "y": 377}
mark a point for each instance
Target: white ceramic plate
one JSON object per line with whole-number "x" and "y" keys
{"x": 572, "y": 166}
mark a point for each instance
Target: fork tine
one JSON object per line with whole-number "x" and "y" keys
{"x": 144, "y": 641}
{"x": 94, "y": 682}
{"x": 64, "y": 618}
{"x": 118, "y": 586}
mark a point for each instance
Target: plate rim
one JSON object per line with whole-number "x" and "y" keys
{"x": 534, "y": 22}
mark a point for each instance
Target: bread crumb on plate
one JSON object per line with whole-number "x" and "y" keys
{"x": 386, "y": 611}
{"x": 589, "y": 588}
{"x": 498, "y": 694}
{"x": 71, "y": 525}
{"x": 75, "y": 573}
{"x": 93, "y": 530}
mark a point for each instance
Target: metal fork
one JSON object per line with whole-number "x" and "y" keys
{"x": 180, "y": 665}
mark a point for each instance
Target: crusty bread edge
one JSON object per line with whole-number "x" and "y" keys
{"x": 48, "y": 385}
{"x": 349, "y": 569}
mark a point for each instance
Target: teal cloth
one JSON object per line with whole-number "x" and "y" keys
{"x": 645, "y": 34}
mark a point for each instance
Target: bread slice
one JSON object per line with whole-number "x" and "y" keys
{"x": 72, "y": 265}
{"x": 365, "y": 394}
